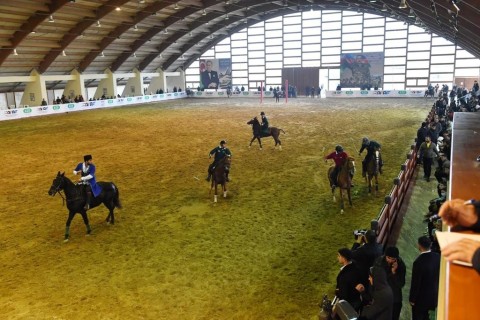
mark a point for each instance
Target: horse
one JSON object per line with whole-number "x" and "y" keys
{"x": 344, "y": 180}
{"x": 76, "y": 197}
{"x": 429, "y": 93}
{"x": 219, "y": 176}
{"x": 372, "y": 171}
{"x": 257, "y": 133}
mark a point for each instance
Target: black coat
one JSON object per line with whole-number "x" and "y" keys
{"x": 381, "y": 307}
{"x": 365, "y": 257}
{"x": 397, "y": 280}
{"x": 347, "y": 279}
{"x": 425, "y": 277}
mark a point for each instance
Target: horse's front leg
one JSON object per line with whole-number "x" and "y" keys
{"x": 259, "y": 142}
{"x": 376, "y": 184}
{"x": 342, "y": 205}
{"x": 224, "y": 189}
{"x": 251, "y": 141}
{"x": 67, "y": 227}
{"x": 85, "y": 220}
{"x": 215, "y": 196}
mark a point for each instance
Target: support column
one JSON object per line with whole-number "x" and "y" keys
{"x": 75, "y": 87}
{"x": 34, "y": 91}
{"x": 108, "y": 86}
{"x": 134, "y": 86}
{"x": 157, "y": 83}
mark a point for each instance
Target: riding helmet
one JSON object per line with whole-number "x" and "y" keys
{"x": 339, "y": 148}
{"x": 87, "y": 157}
{"x": 365, "y": 140}
{"x": 262, "y": 113}
{"x": 223, "y": 142}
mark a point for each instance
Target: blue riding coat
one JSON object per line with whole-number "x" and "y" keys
{"x": 89, "y": 170}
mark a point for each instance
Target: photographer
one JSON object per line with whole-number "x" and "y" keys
{"x": 364, "y": 251}
{"x": 395, "y": 269}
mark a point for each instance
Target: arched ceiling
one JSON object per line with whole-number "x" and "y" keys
{"x": 57, "y": 36}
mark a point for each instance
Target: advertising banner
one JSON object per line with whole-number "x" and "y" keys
{"x": 362, "y": 70}
{"x": 375, "y": 94}
{"x": 215, "y": 73}
{"x": 87, "y": 105}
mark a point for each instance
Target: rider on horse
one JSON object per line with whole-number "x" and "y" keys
{"x": 372, "y": 148}
{"x": 265, "y": 130}
{"x": 220, "y": 152}
{"x": 87, "y": 170}
{"x": 339, "y": 157}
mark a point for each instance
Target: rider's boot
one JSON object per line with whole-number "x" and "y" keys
{"x": 226, "y": 176}
{"x": 87, "y": 202}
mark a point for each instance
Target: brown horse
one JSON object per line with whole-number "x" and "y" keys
{"x": 372, "y": 172}
{"x": 219, "y": 176}
{"x": 344, "y": 180}
{"x": 257, "y": 133}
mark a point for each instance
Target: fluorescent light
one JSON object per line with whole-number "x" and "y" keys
{"x": 204, "y": 13}
{"x": 403, "y": 4}
{"x": 64, "y": 54}
{"x": 118, "y": 9}
{"x": 411, "y": 14}
{"x": 15, "y": 52}
{"x": 98, "y": 24}
{"x": 135, "y": 27}
{"x": 102, "y": 54}
{"x": 50, "y": 19}
{"x": 176, "y": 7}
{"x": 385, "y": 8}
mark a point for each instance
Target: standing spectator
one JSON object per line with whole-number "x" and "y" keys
{"x": 421, "y": 134}
{"x": 381, "y": 305}
{"x": 475, "y": 86}
{"x": 364, "y": 251}
{"x": 44, "y": 102}
{"x": 424, "y": 285}
{"x": 347, "y": 279}
{"x": 427, "y": 152}
{"x": 395, "y": 269}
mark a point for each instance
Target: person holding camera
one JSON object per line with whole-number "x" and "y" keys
{"x": 364, "y": 251}
{"x": 459, "y": 213}
{"x": 395, "y": 270}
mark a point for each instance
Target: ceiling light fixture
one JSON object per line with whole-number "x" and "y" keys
{"x": 15, "y": 52}
{"x": 33, "y": 31}
{"x": 102, "y": 54}
{"x": 176, "y": 7}
{"x": 385, "y": 8}
{"x": 204, "y": 13}
{"x": 165, "y": 31}
{"x": 454, "y": 2}
{"x": 135, "y": 27}
{"x": 98, "y": 24}
{"x": 64, "y": 54}
{"x": 411, "y": 14}
{"x": 226, "y": 17}
{"x": 118, "y": 9}
{"x": 403, "y": 4}
{"x": 50, "y": 19}
{"x": 141, "y": 1}
{"x": 134, "y": 55}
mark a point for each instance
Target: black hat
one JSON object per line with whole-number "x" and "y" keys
{"x": 223, "y": 142}
{"x": 262, "y": 113}
{"x": 87, "y": 157}
{"x": 339, "y": 148}
{"x": 346, "y": 253}
{"x": 392, "y": 252}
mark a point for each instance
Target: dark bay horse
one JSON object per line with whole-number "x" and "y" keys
{"x": 344, "y": 181}
{"x": 76, "y": 197}
{"x": 257, "y": 133}
{"x": 219, "y": 176}
{"x": 372, "y": 171}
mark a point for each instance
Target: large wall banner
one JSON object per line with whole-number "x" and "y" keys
{"x": 215, "y": 73}
{"x": 362, "y": 70}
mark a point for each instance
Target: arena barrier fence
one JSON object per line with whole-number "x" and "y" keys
{"x": 27, "y": 112}
{"x": 389, "y": 212}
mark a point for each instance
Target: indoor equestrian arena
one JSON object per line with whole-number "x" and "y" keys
{"x": 266, "y": 251}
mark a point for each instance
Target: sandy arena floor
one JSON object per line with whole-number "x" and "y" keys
{"x": 267, "y": 251}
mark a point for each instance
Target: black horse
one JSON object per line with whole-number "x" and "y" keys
{"x": 76, "y": 197}
{"x": 257, "y": 133}
{"x": 219, "y": 176}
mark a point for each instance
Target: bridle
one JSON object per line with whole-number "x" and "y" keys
{"x": 58, "y": 190}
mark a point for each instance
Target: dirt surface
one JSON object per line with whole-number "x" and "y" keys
{"x": 267, "y": 251}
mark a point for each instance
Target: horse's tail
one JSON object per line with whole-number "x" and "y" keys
{"x": 116, "y": 197}
{"x": 281, "y": 130}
